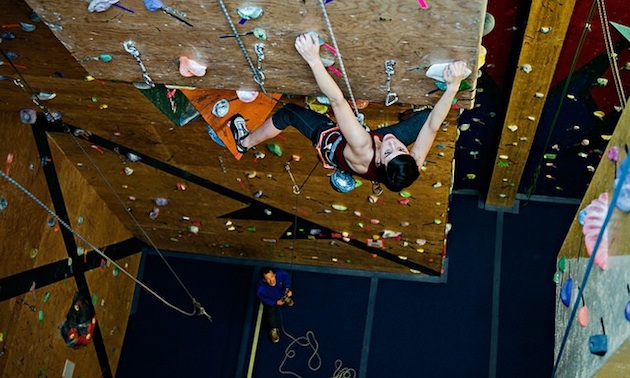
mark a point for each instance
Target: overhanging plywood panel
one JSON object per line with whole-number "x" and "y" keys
{"x": 368, "y": 33}
{"x": 540, "y": 52}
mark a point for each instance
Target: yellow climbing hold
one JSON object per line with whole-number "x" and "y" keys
{"x": 339, "y": 207}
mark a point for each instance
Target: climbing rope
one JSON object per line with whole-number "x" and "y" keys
{"x": 96, "y": 249}
{"x": 610, "y": 52}
{"x": 23, "y": 84}
{"x": 258, "y": 76}
{"x": 341, "y": 65}
{"x": 587, "y": 26}
{"x": 589, "y": 266}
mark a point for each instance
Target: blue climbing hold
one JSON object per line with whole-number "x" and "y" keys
{"x": 342, "y": 182}
{"x": 215, "y": 138}
{"x": 565, "y": 292}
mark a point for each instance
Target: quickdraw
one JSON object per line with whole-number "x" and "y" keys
{"x": 391, "y": 97}
{"x": 259, "y": 49}
{"x": 130, "y": 47}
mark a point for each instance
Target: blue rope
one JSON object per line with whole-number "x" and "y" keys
{"x": 589, "y": 265}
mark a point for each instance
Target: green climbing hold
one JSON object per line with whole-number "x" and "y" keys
{"x": 40, "y": 316}
{"x": 463, "y": 85}
{"x": 562, "y": 264}
{"x": 556, "y": 277}
{"x": 357, "y": 183}
{"x": 404, "y": 194}
{"x": 274, "y": 149}
{"x": 260, "y": 33}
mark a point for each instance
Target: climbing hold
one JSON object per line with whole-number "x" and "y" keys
{"x": 260, "y": 33}
{"x": 583, "y": 316}
{"x": 153, "y": 214}
{"x": 321, "y": 109}
{"x": 105, "y": 58}
{"x": 599, "y": 114}
{"x": 100, "y": 5}
{"x": 565, "y": 292}
{"x": 275, "y": 149}
{"x": 342, "y": 181}
{"x": 27, "y": 27}
{"x": 512, "y": 128}
{"x": 562, "y": 264}
{"x": 404, "y": 194}
{"x": 221, "y": 108}
{"x": 404, "y": 201}
{"x": 160, "y": 201}
{"x": 488, "y": 23}
{"x": 436, "y": 72}
{"x": 527, "y": 68}
{"x": 339, "y": 207}
{"x": 190, "y": 68}
{"x": 249, "y": 13}
{"x": 623, "y": 200}
{"x": 246, "y": 96}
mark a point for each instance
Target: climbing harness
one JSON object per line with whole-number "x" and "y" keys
{"x": 130, "y": 47}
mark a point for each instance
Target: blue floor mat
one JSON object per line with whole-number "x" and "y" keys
{"x": 161, "y": 342}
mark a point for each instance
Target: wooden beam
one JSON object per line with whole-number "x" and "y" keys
{"x": 546, "y": 28}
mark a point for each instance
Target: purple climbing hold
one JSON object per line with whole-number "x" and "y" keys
{"x": 153, "y": 5}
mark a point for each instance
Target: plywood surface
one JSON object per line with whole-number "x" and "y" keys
{"x": 367, "y": 34}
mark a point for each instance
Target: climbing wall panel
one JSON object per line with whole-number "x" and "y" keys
{"x": 367, "y": 34}
{"x": 605, "y": 291}
{"x": 35, "y": 261}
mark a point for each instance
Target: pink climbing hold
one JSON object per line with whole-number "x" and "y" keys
{"x": 190, "y": 68}
{"x": 595, "y": 214}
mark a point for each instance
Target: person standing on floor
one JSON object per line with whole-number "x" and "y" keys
{"x": 273, "y": 290}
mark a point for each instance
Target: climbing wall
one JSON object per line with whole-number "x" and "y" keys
{"x": 216, "y": 204}
{"x": 590, "y": 320}
{"x": 412, "y": 34}
{"x": 39, "y": 278}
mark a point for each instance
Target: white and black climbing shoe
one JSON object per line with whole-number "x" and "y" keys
{"x": 239, "y": 131}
